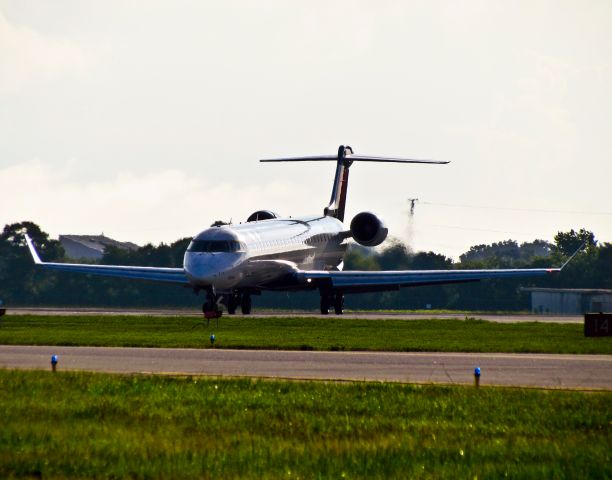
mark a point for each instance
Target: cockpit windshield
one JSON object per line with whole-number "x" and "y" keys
{"x": 214, "y": 246}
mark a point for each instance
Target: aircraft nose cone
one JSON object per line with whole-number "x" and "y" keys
{"x": 209, "y": 269}
{"x": 201, "y": 267}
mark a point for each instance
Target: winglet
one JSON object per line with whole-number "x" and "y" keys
{"x": 33, "y": 251}
{"x": 580, "y": 248}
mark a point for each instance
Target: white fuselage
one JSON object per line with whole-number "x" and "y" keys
{"x": 256, "y": 254}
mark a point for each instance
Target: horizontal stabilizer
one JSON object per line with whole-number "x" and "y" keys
{"x": 319, "y": 158}
{"x": 353, "y": 158}
{"x": 368, "y": 158}
{"x": 344, "y": 159}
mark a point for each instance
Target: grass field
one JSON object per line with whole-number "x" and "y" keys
{"x": 314, "y": 333}
{"x": 97, "y": 425}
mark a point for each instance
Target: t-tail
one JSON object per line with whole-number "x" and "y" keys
{"x": 345, "y": 159}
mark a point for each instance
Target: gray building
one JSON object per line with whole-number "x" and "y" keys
{"x": 569, "y": 300}
{"x": 90, "y": 247}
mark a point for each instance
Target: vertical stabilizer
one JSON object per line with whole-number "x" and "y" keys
{"x": 337, "y": 203}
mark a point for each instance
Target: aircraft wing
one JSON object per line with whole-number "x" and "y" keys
{"x": 372, "y": 281}
{"x": 155, "y": 274}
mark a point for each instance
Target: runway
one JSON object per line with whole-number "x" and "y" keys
{"x": 499, "y": 318}
{"x": 529, "y": 370}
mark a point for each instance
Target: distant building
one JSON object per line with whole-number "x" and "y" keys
{"x": 90, "y": 247}
{"x": 569, "y": 300}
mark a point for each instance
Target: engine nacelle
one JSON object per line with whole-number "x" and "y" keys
{"x": 368, "y": 230}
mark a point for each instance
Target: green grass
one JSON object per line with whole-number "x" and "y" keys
{"x": 110, "y": 426}
{"x": 314, "y": 333}
{"x": 444, "y": 311}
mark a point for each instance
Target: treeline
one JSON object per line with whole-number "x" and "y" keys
{"x": 22, "y": 284}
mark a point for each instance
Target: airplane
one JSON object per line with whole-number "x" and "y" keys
{"x": 230, "y": 262}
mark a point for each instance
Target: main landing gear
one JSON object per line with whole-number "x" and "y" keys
{"x": 335, "y": 300}
{"x": 239, "y": 299}
{"x": 246, "y": 304}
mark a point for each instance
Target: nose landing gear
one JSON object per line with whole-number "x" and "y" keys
{"x": 212, "y": 305}
{"x": 211, "y": 308}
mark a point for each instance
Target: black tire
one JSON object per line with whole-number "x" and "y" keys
{"x": 232, "y": 304}
{"x": 339, "y": 304}
{"x": 325, "y": 305}
{"x": 246, "y": 304}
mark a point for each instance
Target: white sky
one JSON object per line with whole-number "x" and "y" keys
{"x": 145, "y": 119}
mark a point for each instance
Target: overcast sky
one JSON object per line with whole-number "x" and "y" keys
{"x": 145, "y": 119}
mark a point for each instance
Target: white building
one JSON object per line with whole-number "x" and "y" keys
{"x": 90, "y": 247}
{"x": 569, "y": 300}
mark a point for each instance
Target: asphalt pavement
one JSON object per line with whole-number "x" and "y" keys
{"x": 528, "y": 370}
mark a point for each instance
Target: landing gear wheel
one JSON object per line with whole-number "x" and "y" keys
{"x": 232, "y": 304}
{"x": 246, "y": 304}
{"x": 325, "y": 304}
{"x": 338, "y": 304}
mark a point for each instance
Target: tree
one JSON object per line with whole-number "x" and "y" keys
{"x": 568, "y": 242}
{"x": 507, "y": 249}
{"x": 18, "y": 283}
{"x": 396, "y": 256}
{"x": 537, "y": 248}
{"x": 13, "y": 237}
{"x": 430, "y": 261}
{"x": 603, "y": 268}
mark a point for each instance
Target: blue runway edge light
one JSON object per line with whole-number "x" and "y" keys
{"x": 477, "y": 371}
{"x": 53, "y": 359}
{"x": 212, "y": 338}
